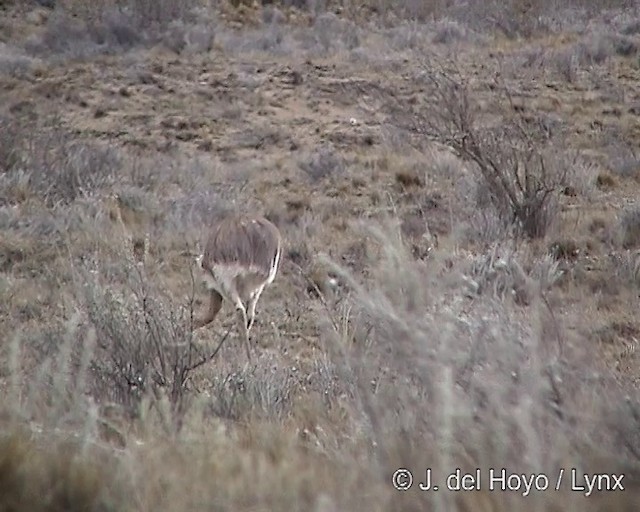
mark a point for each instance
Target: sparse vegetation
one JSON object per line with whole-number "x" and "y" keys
{"x": 461, "y": 271}
{"x": 630, "y": 228}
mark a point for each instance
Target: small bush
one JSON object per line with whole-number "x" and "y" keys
{"x": 514, "y": 157}
{"x": 322, "y": 162}
{"x": 448, "y": 31}
{"x": 145, "y": 344}
{"x": 332, "y": 32}
{"x": 630, "y": 228}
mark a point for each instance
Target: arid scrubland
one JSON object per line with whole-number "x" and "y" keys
{"x": 457, "y": 187}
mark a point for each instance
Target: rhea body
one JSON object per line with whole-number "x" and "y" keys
{"x": 241, "y": 257}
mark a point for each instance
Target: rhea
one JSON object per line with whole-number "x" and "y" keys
{"x": 241, "y": 257}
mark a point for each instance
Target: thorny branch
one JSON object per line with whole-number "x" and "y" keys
{"x": 508, "y": 147}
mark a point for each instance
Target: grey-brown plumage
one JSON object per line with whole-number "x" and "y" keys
{"x": 241, "y": 258}
{"x": 252, "y": 242}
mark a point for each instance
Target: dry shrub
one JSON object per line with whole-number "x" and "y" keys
{"x": 513, "y": 154}
{"x": 323, "y": 162}
{"x": 145, "y": 344}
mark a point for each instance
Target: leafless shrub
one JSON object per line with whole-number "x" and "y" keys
{"x": 145, "y": 344}
{"x": 115, "y": 29}
{"x": 62, "y": 35}
{"x": 413, "y": 10}
{"x": 200, "y": 38}
{"x": 484, "y": 225}
{"x": 395, "y": 139}
{"x": 11, "y": 145}
{"x": 243, "y": 394}
{"x": 513, "y": 154}
{"x": 581, "y": 172}
{"x": 510, "y": 17}
{"x": 593, "y": 49}
{"x": 195, "y": 209}
{"x": 31, "y": 239}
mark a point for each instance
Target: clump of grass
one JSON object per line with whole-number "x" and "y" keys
{"x": 630, "y": 228}
{"x": 32, "y": 238}
{"x": 449, "y": 31}
{"x": 13, "y": 62}
{"x": 624, "y": 162}
{"x": 322, "y": 162}
{"x": 42, "y": 476}
{"x": 457, "y": 369}
{"x": 331, "y": 32}
{"x": 408, "y": 178}
{"x": 605, "y": 181}
{"x": 181, "y": 37}
{"x": 48, "y": 163}
{"x": 626, "y": 267}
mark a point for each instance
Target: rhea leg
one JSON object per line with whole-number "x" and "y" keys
{"x": 242, "y": 321}
{"x": 215, "y": 303}
{"x": 251, "y": 310}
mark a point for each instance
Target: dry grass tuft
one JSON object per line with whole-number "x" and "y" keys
{"x": 48, "y": 476}
{"x": 630, "y": 228}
